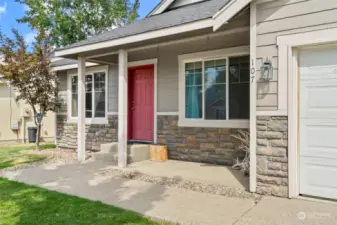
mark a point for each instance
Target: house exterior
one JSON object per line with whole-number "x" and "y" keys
{"x": 194, "y": 72}
{"x": 17, "y": 117}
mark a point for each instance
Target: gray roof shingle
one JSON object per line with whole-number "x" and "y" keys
{"x": 187, "y": 14}
{"x": 63, "y": 62}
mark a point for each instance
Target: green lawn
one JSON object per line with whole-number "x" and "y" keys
{"x": 21, "y": 204}
{"x": 14, "y": 155}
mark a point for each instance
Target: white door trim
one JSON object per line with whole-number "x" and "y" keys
{"x": 289, "y": 67}
{"x": 153, "y": 62}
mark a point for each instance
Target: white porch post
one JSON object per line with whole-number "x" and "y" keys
{"x": 253, "y": 34}
{"x": 81, "y": 110}
{"x": 122, "y": 107}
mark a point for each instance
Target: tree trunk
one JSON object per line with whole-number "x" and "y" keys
{"x": 38, "y": 135}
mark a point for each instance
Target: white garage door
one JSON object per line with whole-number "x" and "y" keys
{"x": 318, "y": 121}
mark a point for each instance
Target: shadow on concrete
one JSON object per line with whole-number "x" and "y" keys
{"x": 236, "y": 174}
{"x": 241, "y": 177}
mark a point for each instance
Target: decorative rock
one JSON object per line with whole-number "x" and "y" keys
{"x": 261, "y": 163}
{"x": 269, "y": 135}
{"x": 277, "y": 166}
{"x": 279, "y": 143}
{"x": 278, "y": 125}
{"x": 280, "y": 191}
{"x": 272, "y": 180}
{"x": 208, "y": 145}
{"x": 95, "y": 134}
{"x": 261, "y": 128}
{"x": 271, "y": 151}
{"x": 278, "y": 159}
{"x": 272, "y": 159}
{"x": 263, "y": 142}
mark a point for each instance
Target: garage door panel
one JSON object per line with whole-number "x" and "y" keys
{"x": 317, "y": 101}
{"x": 325, "y": 136}
{"x": 313, "y": 72}
{"x": 318, "y": 122}
{"x": 315, "y": 172}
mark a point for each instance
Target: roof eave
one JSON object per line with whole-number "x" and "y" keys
{"x": 71, "y": 66}
{"x": 218, "y": 20}
{"x": 201, "y": 24}
{"x": 228, "y": 11}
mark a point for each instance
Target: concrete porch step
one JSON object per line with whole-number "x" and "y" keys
{"x": 109, "y": 157}
{"x": 136, "y": 153}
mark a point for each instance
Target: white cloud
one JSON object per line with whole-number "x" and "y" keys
{"x": 3, "y": 9}
{"x": 25, "y": 7}
{"x": 30, "y": 37}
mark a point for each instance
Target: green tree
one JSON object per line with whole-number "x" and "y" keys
{"x": 70, "y": 21}
{"x": 26, "y": 68}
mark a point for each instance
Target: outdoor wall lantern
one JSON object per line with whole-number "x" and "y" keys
{"x": 267, "y": 70}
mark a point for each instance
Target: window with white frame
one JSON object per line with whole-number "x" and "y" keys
{"x": 216, "y": 90}
{"x": 95, "y": 95}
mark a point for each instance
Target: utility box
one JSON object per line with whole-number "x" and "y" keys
{"x": 15, "y": 126}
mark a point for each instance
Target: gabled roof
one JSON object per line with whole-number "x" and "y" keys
{"x": 160, "y": 7}
{"x": 167, "y": 4}
{"x": 205, "y": 14}
{"x": 63, "y": 62}
{"x": 187, "y": 14}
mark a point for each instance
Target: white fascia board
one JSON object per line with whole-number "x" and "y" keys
{"x": 139, "y": 37}
{"x": 229, "y": 11}
{"x": 161, "y": 7}
{"x": 54, "y": 59}
{"x": 71, "y": 66}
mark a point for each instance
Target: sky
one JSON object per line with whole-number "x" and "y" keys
{"x": 11, "y": 10}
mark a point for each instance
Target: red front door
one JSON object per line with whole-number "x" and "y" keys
{"x": 141, "y": 103}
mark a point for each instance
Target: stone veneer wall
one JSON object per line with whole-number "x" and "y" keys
{"x": 96, "y": 134}
{"x": 207, "y": 145}
{"x": 272, "y": 155}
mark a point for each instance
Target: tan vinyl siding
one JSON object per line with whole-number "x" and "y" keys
{"x": 284, "y": 17}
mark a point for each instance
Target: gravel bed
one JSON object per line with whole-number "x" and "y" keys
{"x": 63, "y": 156}
{"x": 215, "y": 189}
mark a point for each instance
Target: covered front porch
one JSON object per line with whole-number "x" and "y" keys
{"x": 160, "y": 111}
{"x": 188, "y": 91}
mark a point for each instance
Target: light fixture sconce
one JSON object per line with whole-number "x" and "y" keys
{"x": 267, "y": 70}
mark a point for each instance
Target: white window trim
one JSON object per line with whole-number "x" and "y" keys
{"x": 91, "y": 70}
{"x": 202, "y": 56}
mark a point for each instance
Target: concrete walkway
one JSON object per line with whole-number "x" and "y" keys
{"x": 173, "y": 204}
{"x": 192, "y": 171}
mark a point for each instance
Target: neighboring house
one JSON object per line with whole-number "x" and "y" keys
{"x": 17, "y": 117}
{"x": 159, "y": 77}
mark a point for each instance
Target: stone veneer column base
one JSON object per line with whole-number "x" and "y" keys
{"x": 196, "y": 144}
{"x": 96, "y": 134}
{"x": 272, "y": 155}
